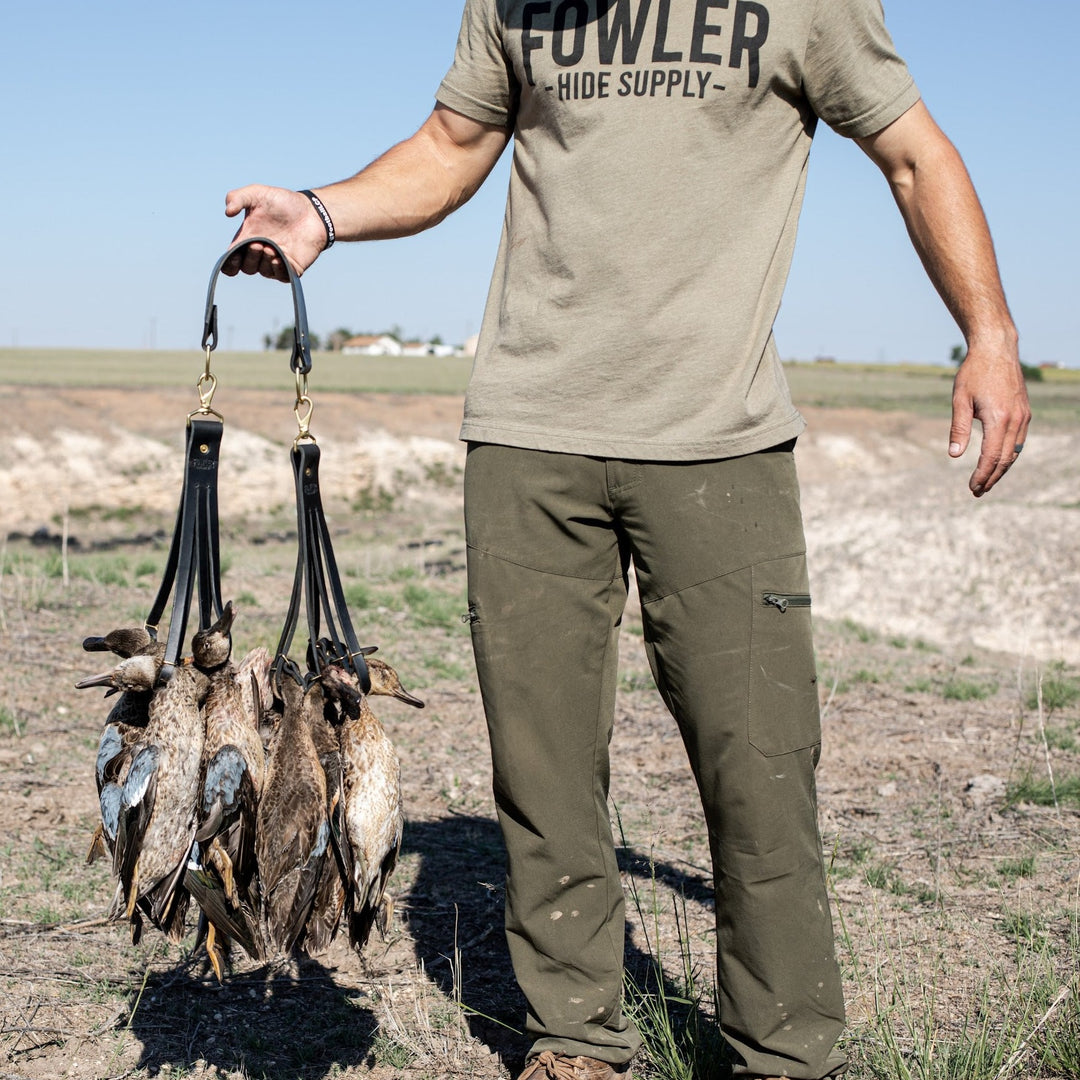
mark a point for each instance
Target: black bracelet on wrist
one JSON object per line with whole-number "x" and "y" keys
{"x": 324, "y": 214}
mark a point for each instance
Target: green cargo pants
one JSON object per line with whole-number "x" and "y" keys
{"x": 718, "y": 551}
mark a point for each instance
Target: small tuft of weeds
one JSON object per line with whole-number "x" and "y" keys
{"x": 442, "y": 668}
{"x": 358, "y": 595}
{"x": 1043, "y": 792}
{"x": 1061, "y": 739}
{"x": 882, "y": 876}
{"x": 391, "y": 1052}
{"x": 1025, "y": 927}
{"x": 859, "y": 632}
{"x": 9, "y": 722}
{"x": 1058, "y": 690}
{"x": 632, "y": 681}
{"x": 442, "y": 475}
{"x": 429, "y": 607}
{"x": 1012, "y": 869}
{"x": 966, "y": 690}
{"x": 373, "y": 500}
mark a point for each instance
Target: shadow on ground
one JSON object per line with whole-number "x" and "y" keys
{"x": 298, "y": 1021}
{"x": 273, "y": 1024}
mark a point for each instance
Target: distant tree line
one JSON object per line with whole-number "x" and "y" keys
{"x": 333, "y": 341}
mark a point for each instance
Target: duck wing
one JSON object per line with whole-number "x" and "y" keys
{"x": 137, "y": 798}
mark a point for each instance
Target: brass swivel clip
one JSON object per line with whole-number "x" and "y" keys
{"x": 205, "y": 387}
{"x": 302, "y": 410}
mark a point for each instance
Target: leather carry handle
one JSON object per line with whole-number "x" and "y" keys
{"x": 301, "y": 355}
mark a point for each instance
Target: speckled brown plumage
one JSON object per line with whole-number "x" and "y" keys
{"x": 371, "y": 787}
{"x": 292, "y": 829}
{"x": 157, "y": 813}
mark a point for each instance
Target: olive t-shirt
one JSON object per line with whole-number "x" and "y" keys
{"x": 659, "y": 164}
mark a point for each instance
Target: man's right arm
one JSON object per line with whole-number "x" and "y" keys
{"x": 412, "y": 187}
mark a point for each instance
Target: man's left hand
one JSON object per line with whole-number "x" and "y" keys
{"x": 990, "y": 389}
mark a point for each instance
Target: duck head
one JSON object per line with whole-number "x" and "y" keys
{"x": 212, "y": 647}
{"x": 133, "y": 673}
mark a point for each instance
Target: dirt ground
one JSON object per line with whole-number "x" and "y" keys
{"x": 939, "y": 618}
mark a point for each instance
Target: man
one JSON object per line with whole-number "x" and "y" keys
{"x": 628, "y": 404}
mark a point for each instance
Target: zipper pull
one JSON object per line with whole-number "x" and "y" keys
{"x": 782, "y": 601}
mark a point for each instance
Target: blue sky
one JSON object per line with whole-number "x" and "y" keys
{"x": 124, "y": 125}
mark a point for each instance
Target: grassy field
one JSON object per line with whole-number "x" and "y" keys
{"x": 241, "y": 370}
{"x": 920, "y": 389}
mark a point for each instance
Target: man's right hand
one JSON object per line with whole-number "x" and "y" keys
{"x": 284, "y": 216}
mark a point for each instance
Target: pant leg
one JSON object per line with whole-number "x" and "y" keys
{"x": 710, "y": 542}
{"x": 547, "y": 588}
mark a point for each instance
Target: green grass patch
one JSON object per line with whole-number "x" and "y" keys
{"x": 858, "y": 631}
{"x": 442, "y": 668}
{"x": 967, "y": 690}
{"x": 1062, "y": 739}
{"x": 1011, "y": 869}
{"x": 1058, "y": 689}
{"x": 9, "y": 722}
{"x": 430, "y": 607}
{"x": 1041, "y": 792}
{"x": 631, "y": 681}
{"x": 359, "y": 595}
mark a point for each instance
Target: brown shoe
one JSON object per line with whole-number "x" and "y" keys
{"x": 551, "y": 1066}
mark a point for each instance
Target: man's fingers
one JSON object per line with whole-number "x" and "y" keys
{"x": 1001, "y": 446}
{"x": 963, "y": 413}
{"x": 276, "y": 213}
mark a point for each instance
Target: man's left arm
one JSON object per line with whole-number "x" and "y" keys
{"x": 948, "y": 228}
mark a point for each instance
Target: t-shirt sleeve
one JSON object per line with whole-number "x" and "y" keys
{"x": 852, "y": 76}
{"x": 481, "y": 83}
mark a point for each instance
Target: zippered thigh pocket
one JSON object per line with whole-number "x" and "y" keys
{"x": 783, "y": 714}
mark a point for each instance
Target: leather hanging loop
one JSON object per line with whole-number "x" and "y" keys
{"x": 301, "y": 355}
{"x": 194, "y": 554}
{"x": 317, "y": 585}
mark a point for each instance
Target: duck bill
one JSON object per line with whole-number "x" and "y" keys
{"x": 404, "y": 695}
{"x": 105, "y": 679}
{"x": 228, "y": 615}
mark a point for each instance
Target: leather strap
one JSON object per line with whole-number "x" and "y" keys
{"x": 194, "y": 552}
{"x": 318, "y": 584}
{"x": 301, "y": 355}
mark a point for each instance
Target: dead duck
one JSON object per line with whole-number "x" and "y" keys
{"x": 123, "y": 725}
{"x": 155, "y": 810}
{"x": 133, "y": 679}
{"x": 222, "y": 869}
{"x": 233, "y": 760}
{"x": 292, "y": 827}
{"x": 371, "y": 786}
